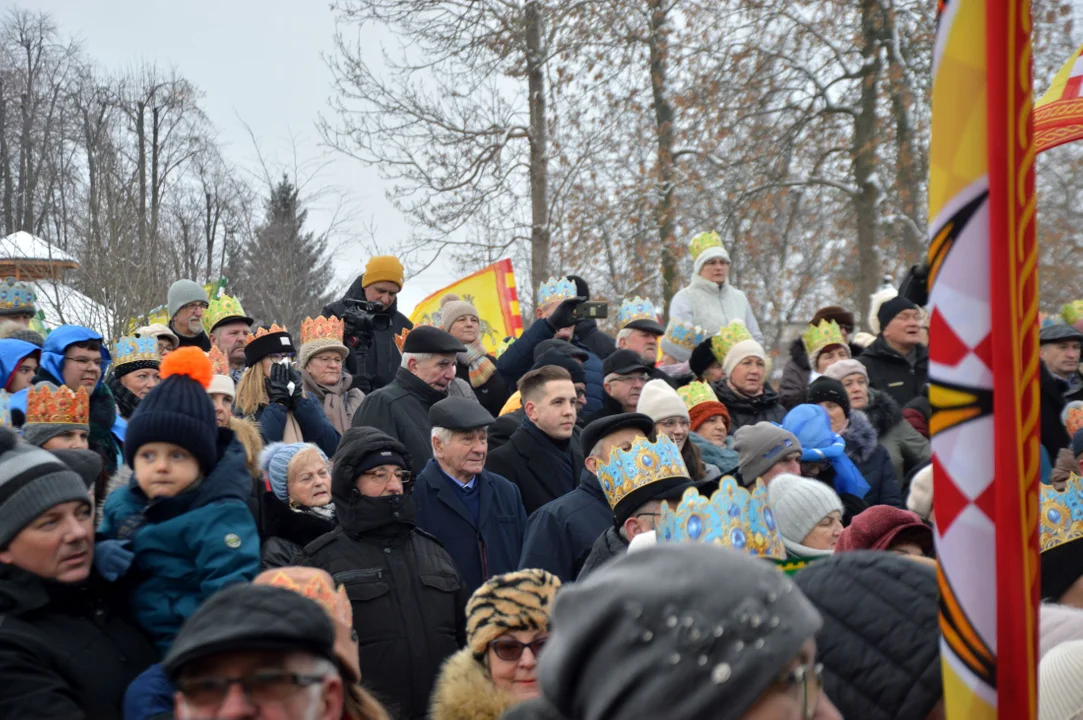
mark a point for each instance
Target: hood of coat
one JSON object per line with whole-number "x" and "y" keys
{"x": 742, "y": 403}
{"x": 12, "y": 353}
{"x": 799, "y": 354}
{"x": 356, "y": 513}
{"x": 249, "y": 436}
{"x": 52, "y": 352}
{"x": 860, "y": 436}
{"x": 882, "y": 411}
{"x": 464, "y": 691}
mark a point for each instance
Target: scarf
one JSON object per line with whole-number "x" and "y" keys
{"x": 558, "y": 450}
{"x": 325, "y": 512}
{"x": 332, "y": 398}
{"x": 126, "y": 400}
{"x": 480, "y": 366}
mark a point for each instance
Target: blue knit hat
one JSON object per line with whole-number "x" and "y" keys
{"x": 275, "y": 459}
{"x": 178, "y": 410}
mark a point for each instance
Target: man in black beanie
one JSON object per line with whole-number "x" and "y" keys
{"x": 897, "y": 362}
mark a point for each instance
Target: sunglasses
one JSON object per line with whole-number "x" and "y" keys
{"x": 511, "y": 650}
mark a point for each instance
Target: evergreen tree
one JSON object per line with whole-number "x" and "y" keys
{"x": 284, "y": 273}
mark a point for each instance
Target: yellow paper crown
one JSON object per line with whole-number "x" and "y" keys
{"x": 219, "y": 361}
{"x": 261, "y": 332}
{"x": 726, "y": 338}
{"x": 222, "y": 308}
{"x": 1072, "y": 312}
{"x": 733, "y": 517}
{"x": 642, "y": 464}
{"x": 818, "y": 337}
{"x": 696, "y": 393}
{"x": 1062, "y": 514}
{"x": 48, "y": 404}
{"x": 704, "y": 241}
{"x": 322, "y": 328}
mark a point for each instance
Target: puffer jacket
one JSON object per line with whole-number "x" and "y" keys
{"x": 880, "y": 641}
{"x": 713, "y": 306}
{"x": 749, "y": 411}
{"x": 873, "y": 461}
{"x": 464, "y": 691}
{"x": 907, "y": 448}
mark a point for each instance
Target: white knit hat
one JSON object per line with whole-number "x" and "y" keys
{"x": 659, "y": 401}
{"x": 800, "y": 504}
{"x": 1058, "y": 624}
{"x": 920, "y": 499}
{"x": 1060, "y": 694}
{"x": 740, "y": 351}
{"x": 709, "y": 254}
{"x": 222, "y": 385}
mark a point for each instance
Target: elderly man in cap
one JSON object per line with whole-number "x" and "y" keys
{"x": 401, "y": 408}
{"x": 897, "y": 362}
{"x": 639, "y": 329}
{"x": 186, "y": 303}
{"x": 257, "y": 651}
{"x": 1059, "y": 349}
{"x": 561, "y": 533}
{"x": 477, "y": 515}
{"x": 625, "y": 375}
{"x": 765, "y": 451}
{"x": 68, "y": 643}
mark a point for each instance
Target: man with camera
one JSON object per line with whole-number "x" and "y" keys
{"x": 370, "y": 311}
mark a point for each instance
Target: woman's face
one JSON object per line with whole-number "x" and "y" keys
{"x": 140, "y": 382}
{"x": 857, "y": 387}
{"x": 517, "y": 675}
{"x": 465, "y": 329}
{"x": 825, "y": 536}
{"x": 677, "y": 428}
{"x": 714, "y": 430}
{"x": 797, "y": 692}
{"x": 309, "y": 482}
{"x": 23, "y": 374}
{"x": 837, "y": 415}
{"x": 830, "y": 356}
{"x": 326, "y": 367}
{"x": 713, "y": 373}
{"x": 748, "y": 377}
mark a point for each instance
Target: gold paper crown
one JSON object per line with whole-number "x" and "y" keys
{"x": 400, "y": 339}
{"x": 818, "y": 337}
{"x": 131, "y": 349}
{"x": 696, "y": 393}
{"x": 726, "y": 338}
{"x": 219, "y": 361}
{"x": 1062, "y": 514}
{"x": 322, "y": 328}
{"x": 704, "y": 241}
{"x": 1073, "y": 420}
{"x": 1072, "y": 312}
{"x": 222, "y": 308}
{"x": 48, "y": 404}
{"x": 645, "y": 462}
{"x": 336, "y": 604}
{"x": 261, "y": 332}
{"x": 733, "y": 517}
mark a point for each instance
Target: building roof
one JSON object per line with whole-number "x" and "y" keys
{"x": 21, "y": 245}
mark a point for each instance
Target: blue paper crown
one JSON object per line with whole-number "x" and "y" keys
{"x": 733, "y": 517}
{"x": 16, "y": 296}
{"x": 636, "y": 309}
{"x": 131, "y": 349}
{"x": 645, "y": 462}
{"x": 1061, "y": 514}
{"x": 555, "y": 290}
{"x": 685, "y": 335}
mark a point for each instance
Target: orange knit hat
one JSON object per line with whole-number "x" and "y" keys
{"x": 703, "y": 412}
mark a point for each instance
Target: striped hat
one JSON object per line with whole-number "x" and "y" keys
{"x": 32, "y": 480}
{"x": 514, "y": 601}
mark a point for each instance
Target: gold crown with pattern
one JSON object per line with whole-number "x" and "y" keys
{"x": 636, "y": 309}
{"x": 642, "y": 464}
{"x": 49, "y": 404}
{"x": 335, "y": 603}
{"x": 131, "y": 349}
{"x": 819, "y": 337}
{"x": 733, "y": 517}
{"x": 219, "y": 361}
{"x": 696, "y": 393}
{"x": 1062, "y": 514}
{"x": 704, "y": 241}
{"x": 1072, "y": 312}
{"x": 222, "y": 308}
{"x": 727, "y": 337}
{"x": 275, "y": 329}
{"x": 322, "y": 328}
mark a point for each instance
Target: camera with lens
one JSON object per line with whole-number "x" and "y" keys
{"x": 362, "y": 318}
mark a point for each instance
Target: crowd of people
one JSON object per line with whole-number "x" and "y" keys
{"x": 216, "y": 518}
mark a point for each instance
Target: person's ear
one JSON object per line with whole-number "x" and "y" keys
{"x": 333, "y": 699}
{"x": 590, "y": 463}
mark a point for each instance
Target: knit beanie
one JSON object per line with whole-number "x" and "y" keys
{"x": 1058, "y": 624}
{"x": 1060, "y": 694}
{"x": 800, "y": 504}
{"x": 183, "y": 292}
{"x": 740, "y": 351}
{"x": 31, "y": 481}
{"x": 383, "y": 268}
{"x": 880, "y": 526}
{"x": 879, "y": 298}
{"x": 452, "y": 308}
{"x": 705, "y": 411}
{"x": 275, "y": 460}
{"x": 709, "y": 254}
{"x": 513, "y": 601}
{"x": 222, "y": 385}
{"x": 825, "y": 389}
{"x": 659, "y": 401}
{"x": 760, "y": 446}
{"x": 178, "y": 410}
{"x": 891, "y": 308}
{"x": 846, "y": 368}
{"x": 920, "y": 499}
{"x": 9, "y": 329}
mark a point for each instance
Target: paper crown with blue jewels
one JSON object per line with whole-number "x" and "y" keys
{"x": 733, "y": 517}
{"x": 642, "y": 464}
{"x": 555, "y": 290}
{"x": 685, "y": 335}
{"x": 16, "y": 298}
{"x": 130, "y": 349}
{"x": 1062, "y": 514}
{"x": 636, "y": 309}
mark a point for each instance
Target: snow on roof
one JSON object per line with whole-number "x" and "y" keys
{"x": 64, "y": 306}
{"x": 21, "y": 245}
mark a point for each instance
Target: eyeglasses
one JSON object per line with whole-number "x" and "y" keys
{"x": 85, "y": 361}
{"x": 511, "y": 650}
{"x": 811, "y": 679}
{"x": 384, "y": 477}
{"x": 261, "y": 688}
{"x": 631, "y": 378}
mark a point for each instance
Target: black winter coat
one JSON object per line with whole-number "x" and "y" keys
{"x": 504, "y": 427}
{"x": 1051, "y": 432}
{"x": 560, "y": 534}
{"x": 492, "y": 394}
{"x": 594, "y": 339}
{"x": 285, "y": 532}
{"x": 890, "y": 372}
{"x": 609, "y": 546}
{"x": 66, "y": 651}
{"x": 384, "y": 357}
{"x": 401, "y": 409}
{"x": 201, "y": 341}
{"x": 749, "y": 411}
{"x": 609, "y": 408}
{"x": 525, "y": 462}
{"x": 873, "y": 462}
{"x": 492, "y": 547}
{"x": 408, "y": 599}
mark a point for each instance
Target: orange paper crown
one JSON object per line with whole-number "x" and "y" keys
{"x": 275, "y": 328}
{"x": 46, "y": 403}
{"x": 322, "y": 328}
{"x": 337, "y": 604}
{"x": 400, "y": 339}
{"x": 219, "y": 361}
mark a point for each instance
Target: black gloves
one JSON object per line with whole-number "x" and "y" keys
{"x": 278, "y": 385}
{"x": 564, "y": 315}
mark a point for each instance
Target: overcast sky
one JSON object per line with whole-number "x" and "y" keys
{"x": 257, "y": 61}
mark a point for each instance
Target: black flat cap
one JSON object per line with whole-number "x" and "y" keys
{"x": 459, "y": 413}
{"x": 563, "y": 346}
{"x": 87, "y": 463}
{"x": 595, "y": 431}
{"x": 624, "y": 361}
{"x": 252, "y": 617}
{"x": 1058, "y": 333}
{"x": 429, "y": 339}
{"x": 647, "y": 325}
{"x": 556, "y": 357}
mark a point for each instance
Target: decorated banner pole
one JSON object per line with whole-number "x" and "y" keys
{"x": 984, "y": 357}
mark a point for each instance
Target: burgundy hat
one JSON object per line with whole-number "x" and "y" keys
{"x": 878, "y": 527}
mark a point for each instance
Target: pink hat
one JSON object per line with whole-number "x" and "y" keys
{"x": 880, "y": 526}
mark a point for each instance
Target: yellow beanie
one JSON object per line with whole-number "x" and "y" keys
{"x": 386, "y": 268}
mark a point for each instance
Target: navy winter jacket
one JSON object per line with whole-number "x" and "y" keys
{"x": 315, "y": 427}
{"x": 561, "y": 533}
{"x": 519, "y": 358}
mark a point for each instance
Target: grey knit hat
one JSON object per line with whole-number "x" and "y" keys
{"x": 183, "y": 292}
{"x": 800, "y": 504}
{"x": 760, "y": 446}
{"x": 31, "y": 481}
{"x": 673, "y": 631}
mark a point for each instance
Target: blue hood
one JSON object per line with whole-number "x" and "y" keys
{"x": 52, "y": 353}
{"x": 12, "y": 352}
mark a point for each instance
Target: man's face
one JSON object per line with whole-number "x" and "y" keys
{"x": 790, "y": 464}
{"x": 857, "y": 387}
{"x": 273, "y": 695}
{"x": 793, "y": 696}
{"x": 642, "y": 343}
{"x": 626, "y": 388}
{"x": 223, "y": 408}
{"x": 748, "y": 377}
{"x": 464, "y": 454}
{"x": 229, "y": 338}
{"x": 554, "y": 411}
{"x": 57, "y": 545}
{"x": 621, "y": 439}
{"x": 436, "y": 371}
{"x": 716, "y": 270}
{"x": 383, "y": 481}
{"x": 23, "y": 320}
{"x": 383, "y": 292}
{"x": 82, "y": 368}
{"x": 1062, "y": 358}
{"x": 904, "y": 330}
{"x": 23, "y": 375}
{"x": 643, "y": 520}
{"x": 189, "y": 319}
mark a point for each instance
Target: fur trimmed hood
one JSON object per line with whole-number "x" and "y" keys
{"x": 860, "y": 436}
{"x": 251, "y": 440}
{"x": 465, "y": 692}
{"x": 882, "y": 411}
